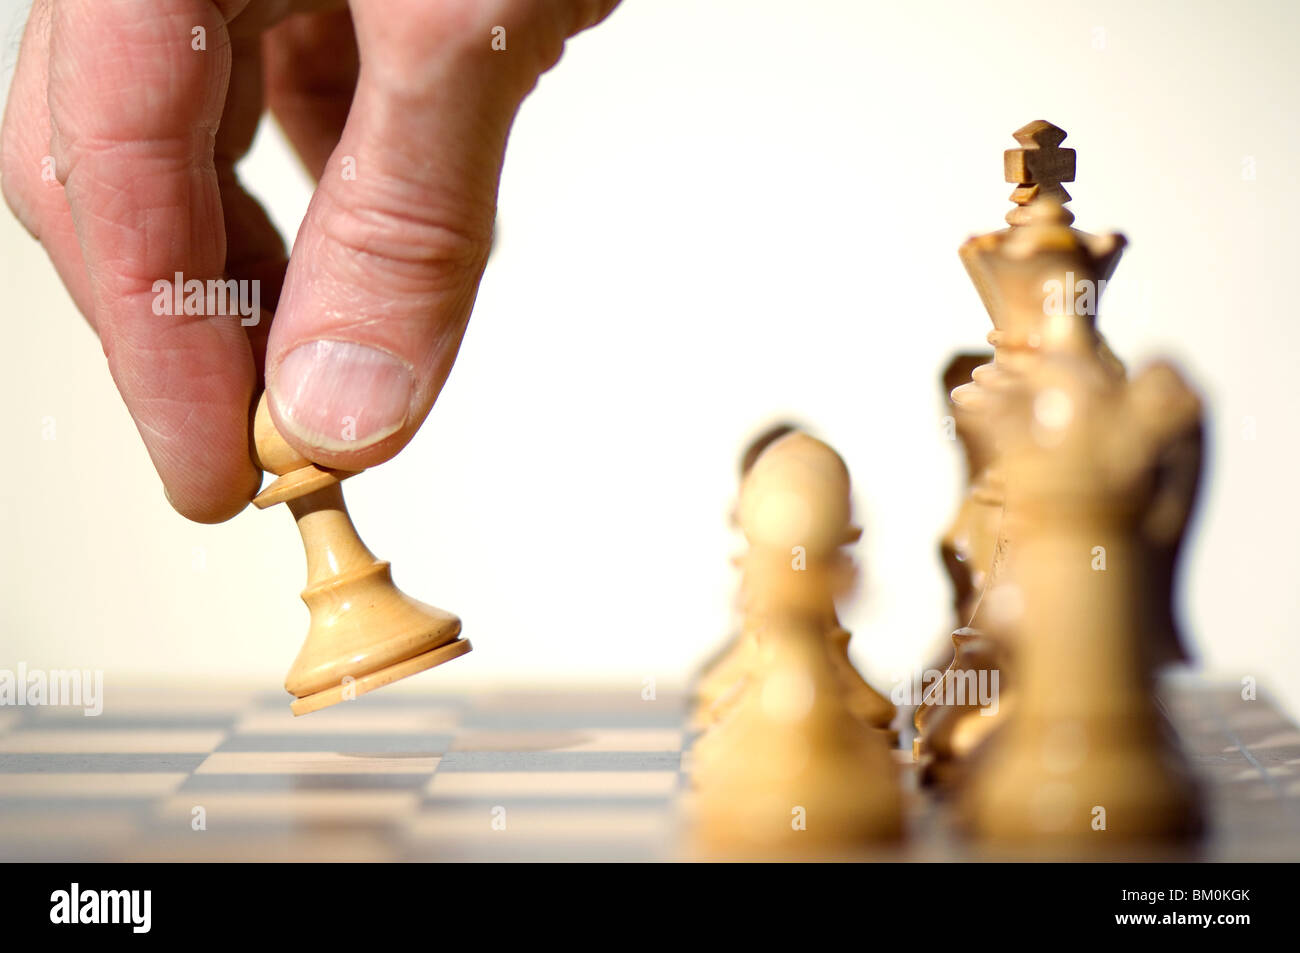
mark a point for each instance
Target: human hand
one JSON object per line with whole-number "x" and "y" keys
{"x": 118, "y": 153}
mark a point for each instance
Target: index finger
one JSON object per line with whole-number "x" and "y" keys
{"x": 134, "y": 105}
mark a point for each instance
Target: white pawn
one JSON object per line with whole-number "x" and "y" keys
{"x": 790, "y": 768}
{"x": 801, "y": 475}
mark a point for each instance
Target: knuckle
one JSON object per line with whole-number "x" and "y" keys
{"x": 428, "y": 244}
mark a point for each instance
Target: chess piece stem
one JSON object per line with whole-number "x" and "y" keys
{"x": 329, "y": 537}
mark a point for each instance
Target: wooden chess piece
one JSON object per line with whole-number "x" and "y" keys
{"x": 726, "y": 669}
{"x": 364, "y": 632}
{"x": 1010, "y": 287}
{"x": 966, "y": 545}
{"x": 959, "y": 544}
{"x": 799, "y": 774}
{"x": 796, "y": 513}
{"x": 965, "y": 707}
{"x": 792, "y": 767}
{"x": 1085, "y": 759}
{"x": 1164, "y": 531}
{"x": 724, "y": 686}
{"x": 863, "y": 701}
{"x": 1038, "y": 168}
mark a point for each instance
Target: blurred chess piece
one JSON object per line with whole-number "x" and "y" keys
{"x": 1010, "y": 287}
{"x": 962, "y": 546}
{"x": 1038, "y": 167}
{"x": 965, "y": 707}
{"x": 1164, "y": 530}
{"x": 1086, "y": 758}
{"x": 365, "y": 633}
{"x": 725, "y": 684}
{"x": 1009, "y": 269}
{"x": 726, "y": 668}
{"x": 798, "y": 772}
{"x": 793, "y": 766}
{"x": 966, "y": 548}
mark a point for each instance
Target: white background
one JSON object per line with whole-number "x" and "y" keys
{"x": 713, "y": 214}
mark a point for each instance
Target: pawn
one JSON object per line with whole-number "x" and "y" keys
{"x": 724, "y": 682}
{"x": 364, "y": 632}
{"x": 792, "y": 764}
{"x": 800, "y": 480}
{"x": 725, "y": 669}
{"x": 863, "y": 701}
{"x": 793, "y": 771}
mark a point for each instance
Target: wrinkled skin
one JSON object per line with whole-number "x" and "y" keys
{"x": 143, "y": 132}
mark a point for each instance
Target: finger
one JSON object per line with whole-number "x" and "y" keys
{"x": 31, "y": 188}
{"x": 255, "y": 251}
{"x": 387, "y": 263}
{"x": 311, "y": 65}
{"x": 134, "y": 107}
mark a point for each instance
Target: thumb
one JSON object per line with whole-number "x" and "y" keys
{"x": 387, "y": 263}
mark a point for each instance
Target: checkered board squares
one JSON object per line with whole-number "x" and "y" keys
{"x": 213, "y": 776}
{"x": 72, "y": 741}
{"x": 56, "y": 784}
{"x": 599, "y": 739}
{"x": 524, "y": 830}
{"x": 305, "y": 764}
{"x": 391, "y": 777}
{"x": 353, "y": 720}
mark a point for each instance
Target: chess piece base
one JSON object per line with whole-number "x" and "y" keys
{"x": 381, "y": 677}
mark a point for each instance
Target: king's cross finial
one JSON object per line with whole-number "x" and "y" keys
{"x": 1038, "y": 168}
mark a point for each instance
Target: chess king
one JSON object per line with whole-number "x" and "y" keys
{"x": 976, "y": 540}
{"x": 365, "y": 632}
{"x": 1097, "y": 482}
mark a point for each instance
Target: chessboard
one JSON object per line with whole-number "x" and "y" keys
{"x": 411, "y": 775}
